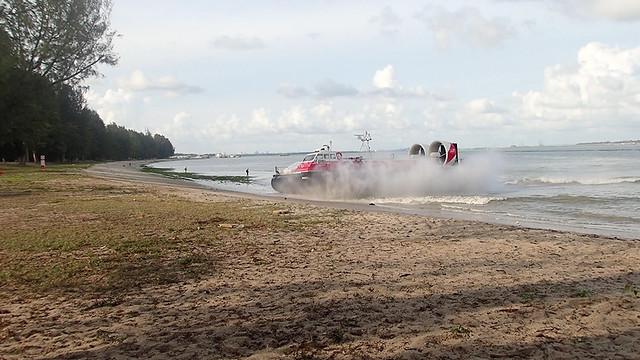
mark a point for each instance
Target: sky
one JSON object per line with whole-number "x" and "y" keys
{"x": 249, "y": 76}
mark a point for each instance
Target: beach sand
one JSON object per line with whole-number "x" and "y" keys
{"x": 383, "y": 286}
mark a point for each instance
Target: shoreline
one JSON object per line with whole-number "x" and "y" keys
{"x": 132, "y": 173}
{"x": 373, "y": 285}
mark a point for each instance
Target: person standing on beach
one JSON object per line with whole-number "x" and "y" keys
{"x": 247, "y": 173}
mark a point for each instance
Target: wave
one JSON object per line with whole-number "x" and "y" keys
{"x": 562, "y": 181}
{"x": 556, "y": 199}
{"x": 608, "y": 218}
{"x": 447, "y": 199}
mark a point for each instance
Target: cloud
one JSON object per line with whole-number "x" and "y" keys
{"x": 169, "y": 84}
{"x": 322, "y": 118}
{"x": 293, "y": 118}
{"x": 179, "y": 119}
{"x": 466, "y": 25}
{"x": 329, "y": 89}
{"x": 601, "y": 89}
{"x": 385, "y": 78}
{"x": 224, "y": 127}
{"x": 324, "y": 89}
{"x": 388, "y": 20}
{"x": 597, "y": 96}
{"x": 384, "y": 84}
{"x": 292, "y": 91}
{"x": 238, "y": 43}
{"x": 179, "y": 127}
{"x": 187, "y": 128}
{"x": 482, "y": 106}
{"x": 614, "y": 10}
{"x": 477, "y": 117}
{"x": 112, "y": 106}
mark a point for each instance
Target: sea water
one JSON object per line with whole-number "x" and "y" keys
{"x": 592, "y": 188}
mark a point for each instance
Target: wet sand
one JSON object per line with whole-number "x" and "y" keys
{"x": 383, "y": 286}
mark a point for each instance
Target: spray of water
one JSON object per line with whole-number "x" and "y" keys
{"x": 413, "y": 177}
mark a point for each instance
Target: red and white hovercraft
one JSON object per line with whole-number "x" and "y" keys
{"x": 325, "y": 171}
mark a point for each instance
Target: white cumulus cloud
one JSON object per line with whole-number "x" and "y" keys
{"x": 172, "y": 87}
{"x": 482, "y": 106}
{"x": 385, "y": 78}
{"x": 385, "y": 83}
{"x": 466, "y": 25}
{"x": 614, "y": 10}
{"x": 112, "y": 106}
{"x": 602, "y": 87}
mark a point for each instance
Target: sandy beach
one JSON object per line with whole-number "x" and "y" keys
{"x": 380, "y": 286}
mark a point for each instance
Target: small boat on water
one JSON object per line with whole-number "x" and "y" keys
{"x": 326, "y": 171}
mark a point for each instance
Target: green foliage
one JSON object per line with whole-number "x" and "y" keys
{"x": 460, "y": 330}
{"x": 46, "y": 48}
{"x": 631, "y": 288}
{"x": 166, "y": 172}
{"x": 36, "y": 118}
{"x": 583, "y": 293}
{"x": 27, "y": 110}
{"x": 63, "y": 41}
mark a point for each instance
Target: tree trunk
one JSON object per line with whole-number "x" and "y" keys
{"x": 23, "y": 159}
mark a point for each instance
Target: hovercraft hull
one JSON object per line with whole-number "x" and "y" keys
{"x": 300, "y": 183}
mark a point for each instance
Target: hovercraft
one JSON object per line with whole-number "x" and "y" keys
{"x": 321, "y": 170}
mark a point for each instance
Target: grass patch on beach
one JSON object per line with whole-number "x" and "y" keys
{"x": 63, "y": 231}
{"x": 170, "y": 173}
{"x": 12, "y": 174}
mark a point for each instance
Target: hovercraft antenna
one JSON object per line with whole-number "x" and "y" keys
{"x": 364, "y": 138}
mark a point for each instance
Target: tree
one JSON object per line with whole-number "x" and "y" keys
{"x": 61, "y": 40}
{"x": 118, "y": 144}
{"x": 47, "y": 47}
{"x": 96, "y": 135}
{"x": 71, "y": 143}
{"x": 165, "y": 148}
{"x": 7, "y": 64}
{"x": 28, "y": 111}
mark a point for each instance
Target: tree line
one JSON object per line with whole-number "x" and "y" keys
{"x": 47, "y": 48}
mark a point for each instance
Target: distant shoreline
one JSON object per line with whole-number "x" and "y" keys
{"x": 622, "y": 142}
